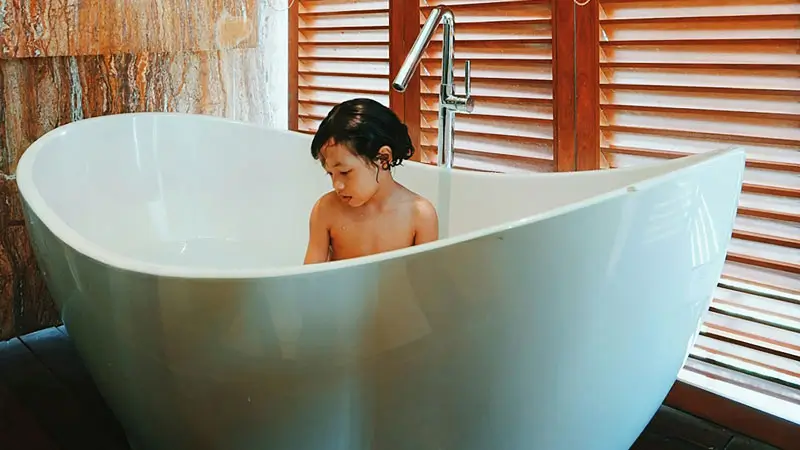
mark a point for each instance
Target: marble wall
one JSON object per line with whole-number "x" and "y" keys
{"x": 66, "y": 60}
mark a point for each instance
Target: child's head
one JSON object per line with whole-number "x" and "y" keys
{"x": 358, "y": 143}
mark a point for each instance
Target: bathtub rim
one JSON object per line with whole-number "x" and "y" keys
{"x": 31, "y": 198}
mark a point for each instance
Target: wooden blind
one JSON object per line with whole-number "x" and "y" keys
{"x": 685, "y": 76}
{"x": 342, "y": 52}
{"x": 509, "y": 43}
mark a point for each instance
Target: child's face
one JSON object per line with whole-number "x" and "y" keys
{"x": 353, "y": 178}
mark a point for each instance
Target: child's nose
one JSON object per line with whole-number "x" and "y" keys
{"x": 338, "y": 185}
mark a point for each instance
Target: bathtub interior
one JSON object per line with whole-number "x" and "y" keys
{"x": 197, "y": 191}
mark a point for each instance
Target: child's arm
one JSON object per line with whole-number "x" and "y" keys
{"x": 319, "y": 241}
{"x": 426, "y": 222}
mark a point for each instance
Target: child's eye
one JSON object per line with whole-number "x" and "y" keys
{"x": 345, "y": 172}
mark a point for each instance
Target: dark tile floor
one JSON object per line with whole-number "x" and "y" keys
{"x": 48, "y": 401}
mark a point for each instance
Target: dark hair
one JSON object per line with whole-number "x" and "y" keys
{"x": 364, "y": 126}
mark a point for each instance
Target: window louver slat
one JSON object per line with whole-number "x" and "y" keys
{"x": 769, "y": 311}
{"x": 758, "y": 363}
{"x": 694, "y": 9}
{"x": 339, "y": 7}
{"x": 343, "y": 52}
{"x": 509, "y": 43}
{"x": 762, "y": 278}
{"x": 680, "y": 77}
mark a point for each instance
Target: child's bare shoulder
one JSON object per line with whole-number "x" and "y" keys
{"x": 328, "y": 200}
{"x": 325, "y": 206}
{"x": 425, "y": 220}
{"x": 422, "y": 208}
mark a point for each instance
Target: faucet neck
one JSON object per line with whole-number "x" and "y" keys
{"x": 448, "y": 53}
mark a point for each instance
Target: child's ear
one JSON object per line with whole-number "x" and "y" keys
{"x": 385, "y": 157}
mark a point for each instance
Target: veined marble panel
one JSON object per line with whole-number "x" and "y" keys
{"x": 100, "y": 27}
{"x": 40, "y": 94}
{"x": 25, "y": 302}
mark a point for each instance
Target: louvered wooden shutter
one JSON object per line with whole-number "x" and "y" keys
{"x": 342, "y": 53}
{"x": 686, "y": 76}
{"x": 509, "y": 45}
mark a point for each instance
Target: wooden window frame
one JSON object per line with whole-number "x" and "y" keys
{"x": 576, "y": 133}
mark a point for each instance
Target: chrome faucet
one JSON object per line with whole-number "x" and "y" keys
{"x": 449, "y": 102}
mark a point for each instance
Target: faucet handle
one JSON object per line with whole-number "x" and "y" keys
{"x": 469, "y": 102}
{"x": 467, "y": 77}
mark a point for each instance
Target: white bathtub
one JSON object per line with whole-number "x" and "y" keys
{"x": 556, "y": 316}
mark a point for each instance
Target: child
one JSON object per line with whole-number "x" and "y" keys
{"x": 367, "y": 212}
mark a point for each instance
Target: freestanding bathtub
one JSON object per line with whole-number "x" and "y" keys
{"x": 556, "y": 315}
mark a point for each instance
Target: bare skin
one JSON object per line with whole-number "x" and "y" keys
{"x": 367, "y": 212}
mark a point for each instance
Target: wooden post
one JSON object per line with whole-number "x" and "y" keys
{"x": 564, "y": 134}
{"x": 404, "y": 25}
{"x": 587, "y": 86}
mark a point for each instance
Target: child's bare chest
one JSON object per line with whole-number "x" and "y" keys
{"x": 361, "y": 235}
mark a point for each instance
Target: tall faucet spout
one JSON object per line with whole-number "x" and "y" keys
{"x": 449, "y": 102}
{"x": 414, "y": 56}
